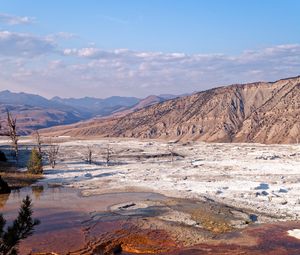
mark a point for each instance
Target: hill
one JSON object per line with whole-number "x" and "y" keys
{"x": 263, "y": 112}
{"x": 34, "y": 112}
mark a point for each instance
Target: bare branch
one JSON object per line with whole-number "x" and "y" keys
{"x": 172, "y": 153}
{"x": 12, "y": 132}
{"x": 89, "y": 154}
{"x": 109, "y": 151}
{"x": 52, "y": 153}
{"x": 38, "y": 141}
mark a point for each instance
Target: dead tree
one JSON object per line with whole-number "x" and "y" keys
{"x": 172, "y": 153}
{"x": 52, "y": 153}
{"x": 108, "y": 154}
{"x": 89, "y": 154}
{"x": 38, "y": 142}
{"x": 12, "y": 132}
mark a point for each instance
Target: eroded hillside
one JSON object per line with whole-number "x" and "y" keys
{"x": 256, "y": 112}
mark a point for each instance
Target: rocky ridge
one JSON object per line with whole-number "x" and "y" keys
{"x": 262, "y": 112}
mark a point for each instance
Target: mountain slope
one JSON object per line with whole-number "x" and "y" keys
{"x": 34, "y": 112}
{"x": 30, "y": 118}
{"x": 256, "y": 112}
{"x": 143, "y": 103}
{"x": 98, "y": 106}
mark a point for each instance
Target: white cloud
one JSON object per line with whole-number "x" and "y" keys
{"x": 88, "y": 52}
{"x": 26, "y": 45}
{"x": 61, "y": 35}
{"x": 96, "y": 72}
{"x": 91, "y": 52}
{"x": 15, "y": 20}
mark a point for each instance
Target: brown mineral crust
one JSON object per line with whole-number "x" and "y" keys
{"x": 267, "y": 239}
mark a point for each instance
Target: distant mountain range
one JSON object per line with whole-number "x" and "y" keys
{"x": 259, "y": 112}
{"x": 35, "y": 112}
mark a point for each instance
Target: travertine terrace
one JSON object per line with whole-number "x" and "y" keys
{"x": 261, "y": 178}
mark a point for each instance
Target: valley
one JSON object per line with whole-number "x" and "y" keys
{"x": 154, "y": 197}
{"x": 163, "y": 127}
{"x": 34, "y": 112}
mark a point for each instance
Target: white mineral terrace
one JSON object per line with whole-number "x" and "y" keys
{"x": 263, "y": 178}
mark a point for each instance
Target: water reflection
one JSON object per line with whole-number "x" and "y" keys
{"x": 65, "y": 216}
{"x": 37, "y": 191}
{"x": 21, "y": 228}
{"x": 3, "y": 199}
{"x": 71, "y": 222}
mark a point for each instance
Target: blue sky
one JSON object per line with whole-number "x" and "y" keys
{"x": 141, "y": 47}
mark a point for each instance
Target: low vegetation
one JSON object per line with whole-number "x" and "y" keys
{"x": 35, "y": 163}
{"x": 15, "y": 178}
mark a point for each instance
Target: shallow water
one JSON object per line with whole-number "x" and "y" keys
{"x": 69, "y": 199}
{"x": 64, "y": 215}
{"x": 86, "y": 225}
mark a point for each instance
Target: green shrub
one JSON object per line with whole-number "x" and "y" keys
{"x": 21, "y": 228}
{"x": 35, "y": 163}
{"x": 2, "y": 157}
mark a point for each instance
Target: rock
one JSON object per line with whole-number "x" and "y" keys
{"x": 274, "y": 157}
{"x": 262, "y": 193}
{"x": 283, "y": 190}
{"x": 262, "y": 186}
{"x": 219, "y": 192}
{"x": 4, "y": 188}
{"x": 127, "y": 206}
{"x": 268, "y": 157}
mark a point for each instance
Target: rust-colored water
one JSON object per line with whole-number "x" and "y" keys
{"x": 67, "y": 218}
{"x": 266, "y": 239}
{"x": 71, "y": 224}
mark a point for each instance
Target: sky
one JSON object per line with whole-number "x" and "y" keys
{"x": 102, "y": 48}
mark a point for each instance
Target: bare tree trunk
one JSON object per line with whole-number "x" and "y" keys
{"x": 38, "y": 142}
{"x": 52, "y": 153}
{"x": 12, "y": 132}
{"x": 171, "y": 150}
{"x": 89, "y": 154}
{"x": 108, "y": 155}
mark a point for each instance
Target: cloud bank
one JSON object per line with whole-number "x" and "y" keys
{"x": 24, "y": 45}
{"x": 40, "y": 65}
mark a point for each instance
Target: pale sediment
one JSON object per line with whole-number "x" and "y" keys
{"x": 259, "y": 178}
